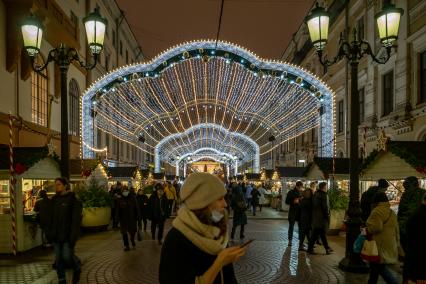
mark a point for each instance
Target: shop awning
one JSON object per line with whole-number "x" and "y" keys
{"x": 322, "y": 168}
{"x": 291, "y": 172}
{"x": 122, "y": 172}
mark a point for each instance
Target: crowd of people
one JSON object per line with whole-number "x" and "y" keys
{"x": 199, "y": 234}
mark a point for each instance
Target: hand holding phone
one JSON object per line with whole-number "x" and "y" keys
{"x": 246, "y": 243}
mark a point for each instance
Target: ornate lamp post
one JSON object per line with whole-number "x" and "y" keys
{"x": 63, "y": 56}
{"x": 388, "y": 25}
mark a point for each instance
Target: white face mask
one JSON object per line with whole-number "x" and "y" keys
{"x": 216, "y": 216}
{"x": 125, "y": 193}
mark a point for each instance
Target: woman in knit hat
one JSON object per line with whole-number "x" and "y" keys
{"x": 195, "y": 249}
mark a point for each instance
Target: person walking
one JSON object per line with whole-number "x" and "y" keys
{"x": 248, "y": 189}
{"x": 142, "y": 200}
{"x": 43, "y": 208}
{"x": 238, "y": 206}
{"x": 195, "y": 249}
{"x": 255, "y": 195}
{"x": 320, "y": 218}
{"x": 64, "y": 229}
{"x": 415, "y": 229}
{"x": 368, "y": 196}
{"x": 115, "y": 194}
{"x": 305, "y": 222}
{"x": 170, "y": 192}
{"x": 382, "y": 225}
{"x": 411, "y": 199}
{"x": 262, "y": 198}
{"x": 293, "y": 200}
{"x": 157, "y": 205}
{"x": 128, "y": 215}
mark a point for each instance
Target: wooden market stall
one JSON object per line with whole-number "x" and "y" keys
{"x": 35, "y": 170}
{"x": 398, "y": 160}
{"x": 288, "y": 177}
{"x": 128, "y": 176}
{"x": 322, "y": 169}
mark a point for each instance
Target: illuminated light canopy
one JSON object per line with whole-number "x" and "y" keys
{"x": 197, "y": 84}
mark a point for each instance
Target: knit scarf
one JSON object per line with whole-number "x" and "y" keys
{"x": 205, "y": 237}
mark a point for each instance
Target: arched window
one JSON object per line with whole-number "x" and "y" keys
{"x": 39, "y": 95}
{"x": 74, "y": 110}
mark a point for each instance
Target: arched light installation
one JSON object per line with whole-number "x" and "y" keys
{"x": 207, "y": 136}
{"x": 203, "y": 83}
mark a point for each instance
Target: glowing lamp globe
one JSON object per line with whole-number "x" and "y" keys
{"x": 32, "y": 33}
{"x": 95, "y": 30}
{"x": 318, "y": 22}
{"x": 388, "y": 24}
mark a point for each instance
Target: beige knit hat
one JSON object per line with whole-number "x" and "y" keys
{"x": 201, "y": 189}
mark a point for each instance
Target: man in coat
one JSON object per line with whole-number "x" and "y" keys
{"x": 293, "y": 199}
{"x": 128, "y": 215}
{"x": 320, "y": 218}
{"x": 238, "y": 206}
{"x": 43, "y": 208}
{"x": 64, "y": 229}
{"x": 158, "y": 212}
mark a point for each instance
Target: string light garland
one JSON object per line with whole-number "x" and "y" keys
{"x": 196, "y": 83}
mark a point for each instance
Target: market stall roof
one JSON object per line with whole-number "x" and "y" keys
{"x": 26, "y": 156}
{"x": 322, "y": 168}
{"x": 268, "y": 173}
{"x": 291, "y": 172}
{"x": 144, "y": 172}
{"x": 122, "y": 172}
{"x": 158, "y": 176}
{"x": 402, "y": 159}
{"x": 170, "y": 177}
{"x": 79, "y": 167}
{"x": 252, "y": 176}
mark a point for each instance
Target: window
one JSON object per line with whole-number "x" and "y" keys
{"x": 388, "y": 93}
{"x": 113, "y": 38}
{"x": 39, "y": 100}
{"x": 340, "y": 117}
{"x": 423, "y": 77}
{"x": 121, "y": 47}
{"x": 361, "y": 94}
{"x": 99, "y": 138}
{"x": 127, "y": 57}
{"x": 128, "y": 151}
{"x": 107, "y": 141}
{"x": 313, "y": 135}
{"x": 360, "y": 28}
{"x": 74, "y": 108}
{"x": 74, "y": 19}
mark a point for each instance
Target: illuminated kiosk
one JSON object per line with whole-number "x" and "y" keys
{"x": 205, "y": 94}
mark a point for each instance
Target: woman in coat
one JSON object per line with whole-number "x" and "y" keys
{"x": 128, "y": 215}
{"x": 195, "y": 249}
{"x": 382, "y": 224}
{"x": 238, "y": 206}
{"x": 305, "y": 217}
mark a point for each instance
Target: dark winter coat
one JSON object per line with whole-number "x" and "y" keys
{"x": 367, "y": 201}
{"x": 239, "y": 207}
{"x": 414, "y": 262}
{"x": 127, "y": 213}
{"x": 255, "y": 194}
{"x": 143, "y": 205}
{"x": 306, "y": 209}
{"x": 320, "y": 210}
{"x": 181, "y": 261}
{"x": 66, "y": 219}
{"x": 43, "y": 207}
{"x": 157, "y": 208}
{"x": 293, "y": 212}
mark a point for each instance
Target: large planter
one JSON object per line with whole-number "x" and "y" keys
{"x": 337, "y": 218}
{"x": 96, "y": 218}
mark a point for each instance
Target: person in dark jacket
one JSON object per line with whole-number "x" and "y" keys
{"x": 195, "y": 249}
{"x": 293, "y": 199}
{"x": 64, "y": 229}
{"x": 320, "y": 218}
{"x": 305, "y": 222}
{"x": 368, "y": 196}
{"x": 158, "y": 212}
{"x": 411, "y": 199}
{"x": 238, "y": 206}
{"x": 142, "y": 199}
{"x": 43, "y": 208}
{"x": 255, "y": 195}
{"x": 414, "y": 268}
{"x": 115, "y": 194}
{"x": 128, "y": 215}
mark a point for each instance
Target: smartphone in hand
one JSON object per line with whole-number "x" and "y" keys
{"x": 246, "y": 243}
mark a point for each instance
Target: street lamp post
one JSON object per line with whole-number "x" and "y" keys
{"x": 63, "y": 56}
{"x": 388, "y": 25}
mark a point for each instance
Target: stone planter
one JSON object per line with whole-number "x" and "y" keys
{"x": 96, "y": 218}
{"x": 336, "y": 221}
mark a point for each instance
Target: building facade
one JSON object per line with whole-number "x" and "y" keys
{"x": 392, "y": 96}
{"x": 35, "y": 98}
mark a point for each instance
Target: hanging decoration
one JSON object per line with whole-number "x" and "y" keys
{"x": 12, "y": 182}
{"x": 382, "y": 141}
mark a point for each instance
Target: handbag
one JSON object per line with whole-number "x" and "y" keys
{"x": 359, "y": 243}
{"x": 369, "y": 251}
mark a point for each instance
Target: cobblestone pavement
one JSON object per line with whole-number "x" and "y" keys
{"x": 268, "y": 260}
